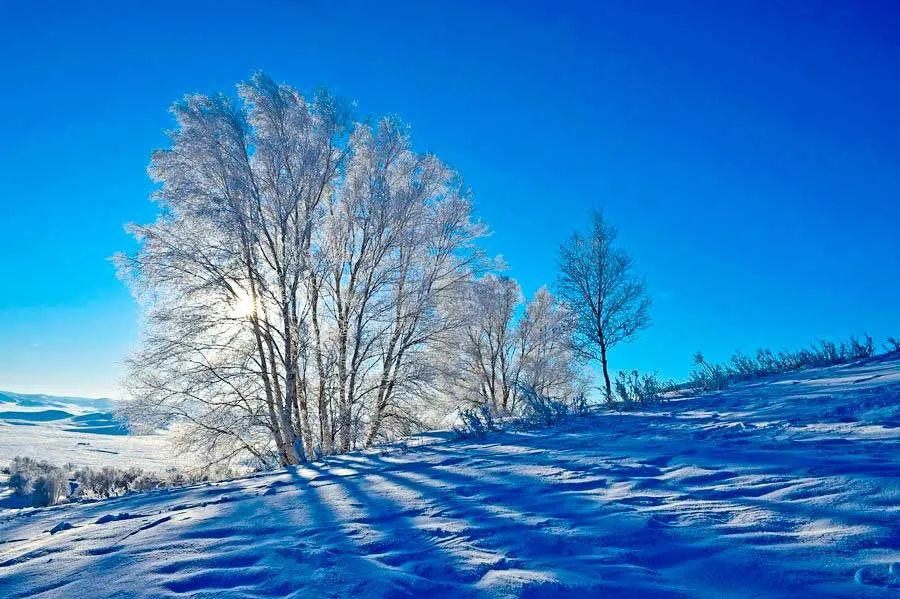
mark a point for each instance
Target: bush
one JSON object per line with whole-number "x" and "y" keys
{"x": 634, "y": 388}
{"x": 712, "y": 377}
{"x": 475, "y": 422}
{"x": 533, "y": 411}
{"x": 541, "y": 411}
{"x": 892, "y": 346}
{"x": 45, "y": 484}
{"x": 49, "y": 488}
{"x": 709, "y": 377}
{"x": 40, "y": 482}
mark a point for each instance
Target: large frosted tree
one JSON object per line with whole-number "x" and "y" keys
{"x": 298, "y": 273}
{"x": 598, "y": 285}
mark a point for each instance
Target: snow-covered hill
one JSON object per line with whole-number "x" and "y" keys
{"x": 785, "y": 487}
{"x": 77, "y": 430}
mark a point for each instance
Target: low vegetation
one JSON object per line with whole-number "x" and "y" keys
{"x": 712, "y": 377}
{"x": 44, "y": 484}
{"x": 535, "y": 411}
{"x": 634, "y": 388}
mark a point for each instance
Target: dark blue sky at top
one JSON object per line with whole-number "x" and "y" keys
{"x": 748, "y": 151}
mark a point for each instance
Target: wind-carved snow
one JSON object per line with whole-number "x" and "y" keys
{"x": 784, "y": 487}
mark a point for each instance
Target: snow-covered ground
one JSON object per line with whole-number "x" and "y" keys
{"x": 76, "y": 430}
{"x": 785, "y": 487}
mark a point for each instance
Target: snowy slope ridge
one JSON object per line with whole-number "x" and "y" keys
{"x": 784, "y": 487}
{"x": 71, "y": 414}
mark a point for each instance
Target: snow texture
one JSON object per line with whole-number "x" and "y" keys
{"x": 783, "y": 487}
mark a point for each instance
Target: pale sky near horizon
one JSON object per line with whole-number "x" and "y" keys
{"x": 748, "y": 151}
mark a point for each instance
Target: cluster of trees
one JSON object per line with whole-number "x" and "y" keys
{"x": 312, "y": 285}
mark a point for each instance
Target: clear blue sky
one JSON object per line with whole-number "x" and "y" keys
{"x": 748, "y": 151}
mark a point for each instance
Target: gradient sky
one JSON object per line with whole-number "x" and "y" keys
{"x": 748, "y": 151}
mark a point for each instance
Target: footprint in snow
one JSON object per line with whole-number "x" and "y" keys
{"x": 466, "y": 491}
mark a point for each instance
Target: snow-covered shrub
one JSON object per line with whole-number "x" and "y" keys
{"x": 46, "y": 484}
{"x": 41, "y": 482}
{"x": 892, "y": 345}
{"x": 101, "y": 483}
{"x": 541, "y": 411}
{"x": 475, "y": 422}
{"x": 744, "y": 365}
{"x": 49, "y": 488}
{"x": 533, "y": 411}
{"x": 861, "y": 349}
{"x": 579, "y": 405}
{"x": 633, "y": 387}
{"x": 710, "y": 377}
{"x": 112, "y": 482}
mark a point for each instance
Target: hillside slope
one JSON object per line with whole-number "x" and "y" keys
{"x": 783, "y": 487}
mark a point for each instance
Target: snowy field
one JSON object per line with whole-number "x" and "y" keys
{"x": 74, "y": 430}
{"x": 786, "y": 487}
{"x": 77, "y": 430}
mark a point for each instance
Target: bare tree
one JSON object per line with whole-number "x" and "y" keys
{"x": 489, "y": 344}
{"x": 596, "y": 283}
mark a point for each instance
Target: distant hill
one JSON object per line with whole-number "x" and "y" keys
{"x": 39, "y": 400}
{"x": 80, "y": 430}
{"x": 71, "y": 414}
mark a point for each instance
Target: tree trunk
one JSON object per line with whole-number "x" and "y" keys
{"x": 603, "y": 363}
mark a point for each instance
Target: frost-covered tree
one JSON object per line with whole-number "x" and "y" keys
{"x": 490, "y": 342}
{"x": 502, "y": 352}
{"x": 299, "y": 269}
{"x": 550, "y": 365}
{"x": 596, "y": 282}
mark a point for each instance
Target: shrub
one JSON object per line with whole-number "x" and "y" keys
{"x": 45, "y": 484}
{"x": 49, "y": 488}
{"x": 859, "y": 350}
{"x": 711, "y": 377}
{"x": 541, "y": 411}
{"x": 644, "y": 388}
{"x": 892, "y": 345}
{"x": 533, "y": 411}
{"x": 41, "y": 482}
{"x": 475, "y": 422}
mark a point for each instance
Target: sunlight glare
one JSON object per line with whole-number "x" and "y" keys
{"x": 242, "y": 306}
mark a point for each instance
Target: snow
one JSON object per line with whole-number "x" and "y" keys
{"x": 76, "y": 430}
{"x": 783, "y": 487}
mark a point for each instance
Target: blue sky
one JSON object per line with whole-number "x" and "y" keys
{"x": 748, "y": 151}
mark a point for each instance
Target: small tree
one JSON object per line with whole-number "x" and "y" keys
{"x": 609, "y": 302}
